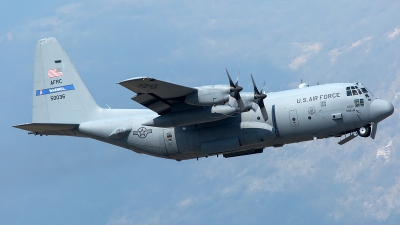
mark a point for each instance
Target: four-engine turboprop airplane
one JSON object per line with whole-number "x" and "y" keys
{"x": 185, "y": 123}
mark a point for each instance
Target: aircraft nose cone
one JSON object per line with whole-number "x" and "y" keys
{"x": 380, "y": 109}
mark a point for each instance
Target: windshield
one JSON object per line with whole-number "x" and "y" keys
{"x": 356, "y": 91}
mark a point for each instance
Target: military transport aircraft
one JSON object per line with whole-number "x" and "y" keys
{"x": 192, "y": 122}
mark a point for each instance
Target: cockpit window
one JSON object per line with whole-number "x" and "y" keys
{"x": 364, "y": 90}
{"x": 355, "y": 90}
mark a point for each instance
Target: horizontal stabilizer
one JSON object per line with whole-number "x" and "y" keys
{"x": 50, "y": 129}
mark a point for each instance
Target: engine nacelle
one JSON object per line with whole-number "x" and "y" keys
{"x": 209, "y": 95}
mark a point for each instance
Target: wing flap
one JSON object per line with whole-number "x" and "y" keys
{"x": 152, "y": 102}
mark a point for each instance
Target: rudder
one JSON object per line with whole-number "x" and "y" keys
{"x": 60, "y": 96}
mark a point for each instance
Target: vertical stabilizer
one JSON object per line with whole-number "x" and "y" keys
{"x": 59, "y": 94}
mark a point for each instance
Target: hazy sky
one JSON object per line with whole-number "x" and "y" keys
{"x": 62, "y": 180}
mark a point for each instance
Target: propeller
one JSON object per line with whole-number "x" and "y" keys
{"x": 259, "y": 99}
{"x": 235, "y": 92}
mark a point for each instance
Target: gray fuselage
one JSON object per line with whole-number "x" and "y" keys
{"x": 295, "y": 115}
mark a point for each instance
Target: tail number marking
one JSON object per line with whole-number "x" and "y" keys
{"x": 57, "y": 97}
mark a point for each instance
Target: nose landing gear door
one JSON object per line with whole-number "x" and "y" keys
{"x": 170, "y": 141}
{"x": 293, "y": 118}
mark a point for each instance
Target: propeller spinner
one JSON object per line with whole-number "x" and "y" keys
{"x": 259, "y": 99}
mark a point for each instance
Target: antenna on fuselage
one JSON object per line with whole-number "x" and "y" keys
{"x": 303, "y": 85}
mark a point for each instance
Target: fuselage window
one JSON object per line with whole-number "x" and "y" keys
{"x": 362, "y": 102}
{"x": 357, "y": 102}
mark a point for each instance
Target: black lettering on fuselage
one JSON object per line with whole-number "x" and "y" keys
{"x": 321, "y": 97}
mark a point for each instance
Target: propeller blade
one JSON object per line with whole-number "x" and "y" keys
{"x": 235, "y": 92}
{"x": 233, "y": 87}
{"x": 259, "y": 99}
{"x": 230, "y": 79}
{"x": 254, "y": 85}
{"x": 257, "y": 94}
{"x": 262, "y": 108}
{"x": 264, "y": 113}
{"x": 241, "y": 105}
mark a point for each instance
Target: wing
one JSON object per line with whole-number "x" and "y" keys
{"x": 159, "y": 96}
